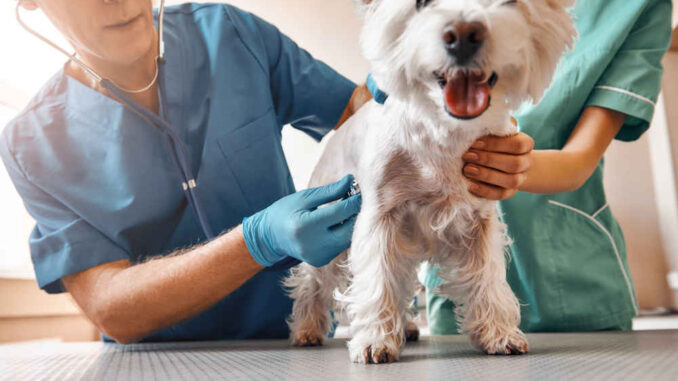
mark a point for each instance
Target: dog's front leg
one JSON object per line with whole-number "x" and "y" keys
{"x": 381, "y": 289}
{"x": 486, "y": 304}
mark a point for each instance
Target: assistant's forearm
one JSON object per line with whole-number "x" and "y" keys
{"x": 555, "y": 171}
{"x": 149, "y": 296}
{"x": 566, "y": 170}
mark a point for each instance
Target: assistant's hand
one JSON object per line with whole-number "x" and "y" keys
{"x": 294, "y": 226}
{"x": 498, "y": 166}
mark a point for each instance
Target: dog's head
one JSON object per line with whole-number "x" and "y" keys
{"x": 458, "y": 55}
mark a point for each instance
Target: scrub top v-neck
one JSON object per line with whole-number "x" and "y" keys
{"x": 101, "y": 183}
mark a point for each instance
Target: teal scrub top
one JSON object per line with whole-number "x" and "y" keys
{"x": 101, "y": 183}
{"x": 568, "y": 263}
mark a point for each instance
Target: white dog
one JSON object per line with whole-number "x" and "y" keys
{"x": 453, "y": 71}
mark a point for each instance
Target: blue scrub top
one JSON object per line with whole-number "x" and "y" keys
{"x": 101, "y": 183}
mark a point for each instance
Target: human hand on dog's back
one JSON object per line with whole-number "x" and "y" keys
{"x": 497, "y": 166}
{"x": 295, "y": 227}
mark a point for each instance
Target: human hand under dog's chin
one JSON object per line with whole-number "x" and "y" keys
{"x": 496, "y": 167}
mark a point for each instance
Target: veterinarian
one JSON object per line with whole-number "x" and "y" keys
{"x": 103, "y": 158}
{"x": 568, "y": 262}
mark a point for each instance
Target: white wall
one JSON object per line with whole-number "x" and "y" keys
{"x": 664, "y": 153}
{"x": 25, "y": 65}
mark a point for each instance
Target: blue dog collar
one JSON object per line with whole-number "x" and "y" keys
{"x": 378, "y": 95}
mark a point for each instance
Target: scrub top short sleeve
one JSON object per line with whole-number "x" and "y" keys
{"x": 300, "y": 84}
{"x": 62, "y": 243}
{"x": 632, "y": 80}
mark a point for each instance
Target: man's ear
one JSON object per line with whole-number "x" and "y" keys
{"x": 29, "y": 5}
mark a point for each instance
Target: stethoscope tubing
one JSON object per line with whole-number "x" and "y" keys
{"x": 180, "y": 153}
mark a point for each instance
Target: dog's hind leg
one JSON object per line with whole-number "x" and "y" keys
{"x": 381, "y": 288}
{"x": 411, "y": 328}
{"x": 312, "y": 290}
{"x": 486, "y": 306}
{"x": 411, "y": 331}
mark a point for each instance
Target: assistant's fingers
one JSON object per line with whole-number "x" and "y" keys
{"x": 490, "y": 192}
{"x": 493, "y": 177}
{"x": 517, "y": 144}
{"x": 322, "y": 195}
{"x": 500, "y": 161}
{"x": 337, "y": 213}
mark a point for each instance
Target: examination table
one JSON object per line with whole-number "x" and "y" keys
{"x": 648, "y": 355}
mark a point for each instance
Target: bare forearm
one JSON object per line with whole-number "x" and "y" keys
{"x": 565, "y": 170}
{"x": 498, "y": 167}
{"x": 130, "y": 302}
{"x": 556, "y": 171}
{"x": 361, "y": 95}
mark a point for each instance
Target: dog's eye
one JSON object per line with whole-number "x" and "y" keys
{"x": 422, "y": 3}
{"x": 510, "y": 2}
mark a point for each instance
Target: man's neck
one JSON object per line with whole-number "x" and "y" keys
{"x": 133, "y": 76}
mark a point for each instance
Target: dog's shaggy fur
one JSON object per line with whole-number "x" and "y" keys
{"x": 406, "y": 155}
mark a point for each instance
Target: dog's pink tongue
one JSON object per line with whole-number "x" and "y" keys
{"x": 467, "y": 95}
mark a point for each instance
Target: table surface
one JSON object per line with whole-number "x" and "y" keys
{"x": 651, "y": 355}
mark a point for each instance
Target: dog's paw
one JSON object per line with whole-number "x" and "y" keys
{"x": 379, "y": 354}
{"x": 411, "y": 332}
{"x": 306, "y": 339}
{"x": 514, "y": 343}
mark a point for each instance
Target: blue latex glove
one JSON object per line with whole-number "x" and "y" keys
{"x": 294, "y": 226}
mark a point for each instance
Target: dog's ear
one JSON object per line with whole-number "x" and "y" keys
{"x": 550, "y": 41}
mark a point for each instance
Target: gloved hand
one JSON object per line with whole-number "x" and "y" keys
{"x": 294, "y": 226}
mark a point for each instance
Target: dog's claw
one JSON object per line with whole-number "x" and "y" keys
{"x": 516, "y": 345}
{"x": 379, "y": 355}
{"x": 307, "y": 340}
{"x": 518, "y": 350}
{"x": 509, "y": 350}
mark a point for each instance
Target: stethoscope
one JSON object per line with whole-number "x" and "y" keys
{"x": 178, "y": 148}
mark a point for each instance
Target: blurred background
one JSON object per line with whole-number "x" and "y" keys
{"x": 641, "y": 176}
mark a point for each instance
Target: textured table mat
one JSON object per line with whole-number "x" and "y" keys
{"x": 650, "y": 355}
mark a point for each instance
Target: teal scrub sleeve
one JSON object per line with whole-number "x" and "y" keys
{"x": 632, "y": 81}
{"x": 306, "y": 92}
{"x": 61, "y": 243}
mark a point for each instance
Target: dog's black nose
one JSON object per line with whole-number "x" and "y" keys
{"x": 463, "y": 40}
